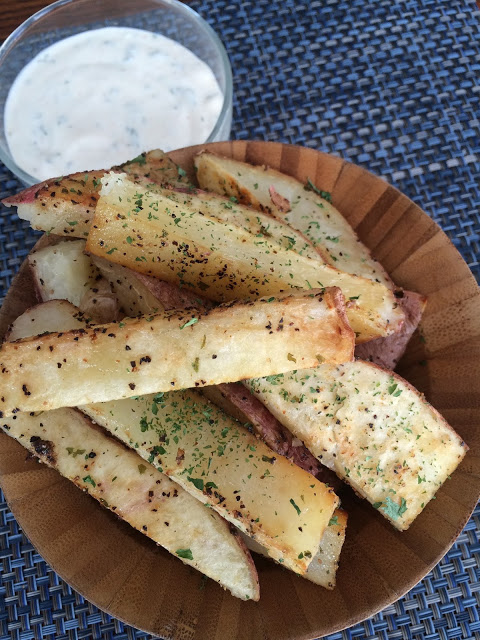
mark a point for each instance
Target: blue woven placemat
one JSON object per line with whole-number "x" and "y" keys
{"x": 392, "y": 86}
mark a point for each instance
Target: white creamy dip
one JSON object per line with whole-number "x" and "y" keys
{"x": 102, "y": 97}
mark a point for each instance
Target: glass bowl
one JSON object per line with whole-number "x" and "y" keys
{"x": 65, "y": 18}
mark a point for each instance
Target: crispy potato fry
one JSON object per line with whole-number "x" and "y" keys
{"x": 172, "y": 239}
{"x": 372, "y": 428}
{"x": 155, "y": 166}
{"x": 138, "y": 493}
{"x": 323, "y": 567}
{"x": 65, "y": 206}
{"x": 300, "y": 206}
{"x": 221, "y": 463}
{"x": 174, "y": 350}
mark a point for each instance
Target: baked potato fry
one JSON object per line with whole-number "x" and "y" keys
{"x": 65, "y": 206}
{"x": 219, "y": 462}
{"x": 118, "y": 478}
{"x": 43, "y": 317}
{"x": 62, "y": 271}
{"x": 323, "y": 567}
{"x": 300, "y": 206}
{"x": 174, "y": 350}
{"x": 171, "y": 237}
{"x": 372, "y": 428}
{"x": 121, "y": 481}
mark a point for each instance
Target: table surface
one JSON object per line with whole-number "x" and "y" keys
{"x": 393, "y": 87}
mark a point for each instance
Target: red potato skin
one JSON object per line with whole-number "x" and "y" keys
{"x": 386, "y": 352}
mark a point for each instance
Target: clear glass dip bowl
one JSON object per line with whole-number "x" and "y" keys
{"x": 65, "y": 18}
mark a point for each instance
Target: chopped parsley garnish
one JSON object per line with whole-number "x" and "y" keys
{"x": 141, "y": 159}
{"x": 333, "y": 521}
{"x": 90, "y": 480}
{"x": 144, "y": 425}
{"x": 184, "y": 553}
{"x": 394, "y": 510}
{"x": 393, "y": 390}
{"x": 197, "y": 482}
{"x": 323, "y": 194}
{"x": 75, "y": 453}
{"x": 189, "y": 323}
{"x": 292, "y": 502}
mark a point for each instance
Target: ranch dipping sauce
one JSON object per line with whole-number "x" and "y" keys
{"x": 101, "y": 97}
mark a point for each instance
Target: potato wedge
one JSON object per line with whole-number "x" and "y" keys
{"x": 257, "y": 223}
{"x": 62, "y": 271}
{"x": 387, "y": 351}
{"x": 42, "y": 317}
{"x": 68, "y": 441}
{"x": 139, "y": 494}
{"x": 172, "y": 239}
{"x": 372, "y": 428}
{"x": 174, "y": 350}
{"x": 135, "y": 299}
{"x": 219, "y": 462}
{"x": 62, "y": 206}
{"x": 323, "y": 567}
{"x": 300, "y": 206}
{"x": 65, "y": 206}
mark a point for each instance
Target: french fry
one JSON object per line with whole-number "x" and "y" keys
{"x": 174, "y": 350}
{"x": 372, "y": 428}
{"x": 221, "y": 463}
{"x": 301, "y": 206}
{"x": 172, "y": 239}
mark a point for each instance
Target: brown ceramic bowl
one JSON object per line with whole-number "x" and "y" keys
{"x": 125, "y": 574}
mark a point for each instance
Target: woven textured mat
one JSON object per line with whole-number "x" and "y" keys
{"x": 392, "y": 86}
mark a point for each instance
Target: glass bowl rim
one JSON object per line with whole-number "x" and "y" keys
{"x": 5, "y": 155}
